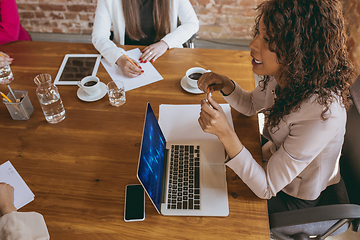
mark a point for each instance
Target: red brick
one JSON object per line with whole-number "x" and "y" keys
{"x": 81, "y": 8}
{"x": 225, "y": 2}
{"x": 58, "y": 30}
{"x": 56, "y": 16}
{"x": 200, "y": 2}
{"x": 23, "y": 15}
{"x": 70, "y": 16}
{"x": 25, "y": 6}
{"x": 52, "y": 7}
{"x": 39, "y": 15}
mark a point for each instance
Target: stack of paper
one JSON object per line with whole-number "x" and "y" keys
{"x": 22, "y": 194}
{"x": 150, "y": 74}
{"x": 180, "y": 122}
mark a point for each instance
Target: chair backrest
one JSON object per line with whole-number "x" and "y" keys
{"x": 190, "y": 42}
{"x": 350, "y": 159}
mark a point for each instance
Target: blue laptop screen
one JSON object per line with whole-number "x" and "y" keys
{"x": 150, "y": 169}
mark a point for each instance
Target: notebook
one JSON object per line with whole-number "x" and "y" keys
{"x": 193, "y": 183}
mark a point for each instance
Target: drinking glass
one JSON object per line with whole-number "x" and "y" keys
{"x": 6, "y": 75}
{"x": 116, "y": 92}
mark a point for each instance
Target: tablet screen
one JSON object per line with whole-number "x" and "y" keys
{"x": 76, "y": 67}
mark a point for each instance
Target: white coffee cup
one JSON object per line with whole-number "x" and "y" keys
{"x": 193, "y": 75}
{"x": 90, "y": 84}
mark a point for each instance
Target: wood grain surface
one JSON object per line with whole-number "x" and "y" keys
{"x": 78, "y": 169}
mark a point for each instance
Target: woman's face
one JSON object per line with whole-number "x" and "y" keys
{"x": 264, "y": 61}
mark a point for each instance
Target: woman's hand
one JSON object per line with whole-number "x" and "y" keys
{"x": 213, "y": 120}
{"x": 153, "y": 52}
{"x": 6, "y": 199}
{"x": 215, "y": 82}
{"x": 128, "y": 68}
{"x": 5, "y": 59}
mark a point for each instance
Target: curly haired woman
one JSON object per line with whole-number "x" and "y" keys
{"x": 300, "y": 50}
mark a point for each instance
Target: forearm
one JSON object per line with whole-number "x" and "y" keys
{"x": 232, "y": 143}
{"x": 7, "y": 209}
{"x": 106, "y": 47}
{"x": 229, "y": 87}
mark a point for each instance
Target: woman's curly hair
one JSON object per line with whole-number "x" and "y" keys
{"x": 309, "y": 39}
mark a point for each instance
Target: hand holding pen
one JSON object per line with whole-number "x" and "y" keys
{"x": 130, "y": 67}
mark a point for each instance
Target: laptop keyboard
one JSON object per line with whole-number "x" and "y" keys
{"x": 184, "y": 178}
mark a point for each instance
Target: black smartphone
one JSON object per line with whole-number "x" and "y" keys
{"x": 134, "y": 203}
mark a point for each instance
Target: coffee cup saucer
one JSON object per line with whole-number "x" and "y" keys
{"x": 82, "y": 95}
{"x": 184, "y": 84}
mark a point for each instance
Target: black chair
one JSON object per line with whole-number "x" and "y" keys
{"x": 339, "y": 207}
{"x": 190, "y": 42}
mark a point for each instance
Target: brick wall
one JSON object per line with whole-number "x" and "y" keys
{"x": 229, "y": 19}
{"x": 226, "y": 19}
{"x": 352, "y": 13}
{"x": 58, "y": 16}
{"x": 219, "y": 19}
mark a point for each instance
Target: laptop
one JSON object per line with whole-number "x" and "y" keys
{"x": 182, "y": 178}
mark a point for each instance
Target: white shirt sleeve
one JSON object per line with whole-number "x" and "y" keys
{"x": 23, "y": 226}
{"x": 101, "y": 30}
{"x": 183, "y": 10}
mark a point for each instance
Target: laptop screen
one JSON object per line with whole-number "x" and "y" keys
{"x": 151, "y": 161}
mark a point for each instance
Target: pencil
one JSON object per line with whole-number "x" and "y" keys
{"x": 2, "y": 94}
{"x": 5, "y": 57}
{"x": 130, "y": 61}
{"x": 19, "y": 111}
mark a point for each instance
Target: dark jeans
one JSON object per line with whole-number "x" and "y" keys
{"x": 283, "y": 202}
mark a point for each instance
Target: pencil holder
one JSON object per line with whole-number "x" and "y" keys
{"x": 22, "y": 109}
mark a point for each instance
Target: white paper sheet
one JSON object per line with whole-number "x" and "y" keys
{"x": 180, "y": 122}
{"x": 150, "y": 74}
{"x": 22, "y": 193}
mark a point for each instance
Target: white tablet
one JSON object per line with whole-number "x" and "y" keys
{"x": 75, "y": 67}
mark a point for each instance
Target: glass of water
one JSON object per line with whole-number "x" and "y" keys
{"x": 6, "y": 75}
{"x": 116, "y": 92}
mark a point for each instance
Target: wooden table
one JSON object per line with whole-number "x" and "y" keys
{"x": 78, "y": 169}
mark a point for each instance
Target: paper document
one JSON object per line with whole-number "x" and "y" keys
{"x": 22, "y": 193}
{"x": 150, "y": 74}
{"x": 180, "y": 122}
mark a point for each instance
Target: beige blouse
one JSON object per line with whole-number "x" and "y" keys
{"x": 305, "y": 149}
{"x": 23, "y": 226}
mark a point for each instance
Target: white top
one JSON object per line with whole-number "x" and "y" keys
{"x": 23, "y": 226}
{"x": 306, "y": 150}
{"x": 109, "y": 15}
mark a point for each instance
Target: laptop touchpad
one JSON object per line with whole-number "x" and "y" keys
{"x": 213, "y": 176}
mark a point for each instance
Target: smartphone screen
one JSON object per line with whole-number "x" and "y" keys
{"x": 134, "y": 203}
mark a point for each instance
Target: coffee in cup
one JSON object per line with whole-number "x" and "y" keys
{"x": 194, "y": 74}
{"x": 90, "y": 84}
